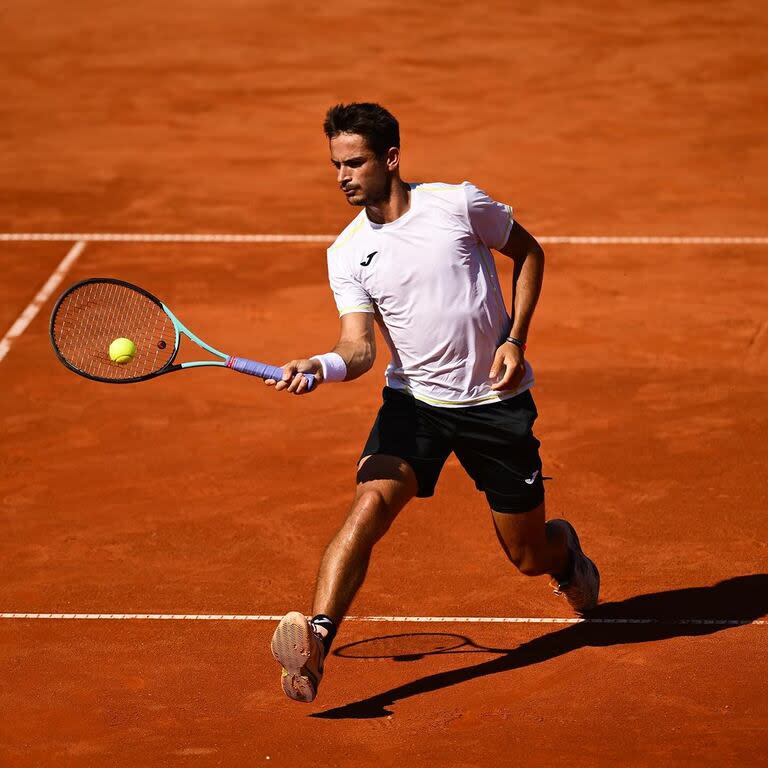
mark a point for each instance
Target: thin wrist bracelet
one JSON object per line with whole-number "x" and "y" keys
{"x": 517, "y": 342}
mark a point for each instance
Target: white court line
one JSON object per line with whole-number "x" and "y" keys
{"x": 139, "y": 237}
{"x": 388, "y": 619}
{"x": 29, "y": 314}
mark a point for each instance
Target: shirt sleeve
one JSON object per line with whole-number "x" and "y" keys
{"x": 349, "y": 294}
{"x": 490, "y": 221}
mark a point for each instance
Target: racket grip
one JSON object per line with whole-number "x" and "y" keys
{"x": 262, "y": 370}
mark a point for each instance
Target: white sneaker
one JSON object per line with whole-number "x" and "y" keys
{"x": 301, "y": 653}
{"x": 582, "y": 588}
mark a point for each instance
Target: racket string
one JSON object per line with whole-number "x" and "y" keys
{"x": 94, "y": 314}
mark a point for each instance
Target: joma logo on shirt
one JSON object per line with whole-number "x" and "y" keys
{"x": 368, "y": 259}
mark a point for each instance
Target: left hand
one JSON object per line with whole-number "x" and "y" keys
{"x": 509, "y": 360}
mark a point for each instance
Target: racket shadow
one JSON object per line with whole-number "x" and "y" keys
{"x": 740, "y": 599}
{"x": 412, "y": 646}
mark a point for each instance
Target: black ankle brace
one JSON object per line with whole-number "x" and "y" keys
{"x": 326, "y": 623}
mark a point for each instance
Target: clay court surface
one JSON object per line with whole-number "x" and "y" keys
{"x": 204, "y": 493}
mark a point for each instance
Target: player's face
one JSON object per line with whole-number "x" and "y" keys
{"x": 363, "y": 177}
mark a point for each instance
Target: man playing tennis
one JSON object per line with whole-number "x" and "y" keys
{"x": 417, "y": 260}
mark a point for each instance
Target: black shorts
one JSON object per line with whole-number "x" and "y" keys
{"x": 494, "y": 443}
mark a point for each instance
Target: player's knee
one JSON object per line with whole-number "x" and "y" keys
{"x": 370, "y": 516}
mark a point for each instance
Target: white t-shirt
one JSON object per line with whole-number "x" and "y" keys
{"x": 431, "y": 281}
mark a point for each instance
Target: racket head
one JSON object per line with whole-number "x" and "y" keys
{"x": 91, "y": 314}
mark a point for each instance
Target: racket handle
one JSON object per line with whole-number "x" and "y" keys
{"x": 262, "y": 370}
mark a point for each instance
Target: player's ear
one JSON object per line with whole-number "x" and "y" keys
{"x": 393, "y": 158}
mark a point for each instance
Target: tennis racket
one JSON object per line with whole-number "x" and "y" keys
{"x": 91, "y": 314}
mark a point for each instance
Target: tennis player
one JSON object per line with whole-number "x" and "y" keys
{"x": 417, "y": 260}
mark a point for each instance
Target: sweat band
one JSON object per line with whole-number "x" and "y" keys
{"x": 333, "y": 365}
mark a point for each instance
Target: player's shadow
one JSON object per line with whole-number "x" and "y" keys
{"x": 738, "y": 600}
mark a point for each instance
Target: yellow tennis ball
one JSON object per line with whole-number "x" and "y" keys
{"x": 122, "y": 351}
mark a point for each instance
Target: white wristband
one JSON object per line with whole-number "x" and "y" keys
{"x": 333, "y": 365}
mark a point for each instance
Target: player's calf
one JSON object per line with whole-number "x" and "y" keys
{"x": 530, "y": 562}
{"x": 531, "y": 547}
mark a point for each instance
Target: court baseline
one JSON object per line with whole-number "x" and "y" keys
{"x": 384, "y": 619}
{"x": 139, "y": 237}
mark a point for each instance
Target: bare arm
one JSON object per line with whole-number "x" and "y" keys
{"x": 356, "y": 345}
{"x": 528, "y": 276}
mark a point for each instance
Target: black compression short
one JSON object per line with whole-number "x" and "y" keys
{"x": 494, "y": 443}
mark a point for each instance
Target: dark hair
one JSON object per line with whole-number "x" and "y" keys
{"x": 378, "y": 126}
